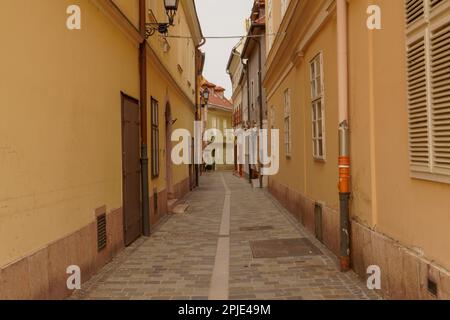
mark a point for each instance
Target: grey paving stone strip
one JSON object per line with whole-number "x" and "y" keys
{"x": 219, "y": 289}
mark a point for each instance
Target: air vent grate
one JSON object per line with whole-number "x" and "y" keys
{"x": 318, "y": 216}
{"x": 101, "y": 232}
{"x": 155, "y": 201}
{"x": 432, "y": 287}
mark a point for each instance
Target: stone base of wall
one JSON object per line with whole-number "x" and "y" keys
{"x": 224, "y": 167}
{"x": 404, "y": 274}
{"x": 42, "y": 275}
{"x": 181, "y": 189}
{"x": 159, "y": 212}
{"x": 302, "y": 208}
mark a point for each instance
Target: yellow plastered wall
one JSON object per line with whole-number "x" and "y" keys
{"x": 60, "y": 123}
{"x": 301, "y": 172}
{"x": 130, "y": 9}
{"x": 219, "y": 116}
{"x": 175, "y": 87}
{"x": 412, "y": 211}
{"x": 176, "y": 54}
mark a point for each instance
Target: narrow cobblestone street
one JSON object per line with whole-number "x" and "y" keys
{"x": 207, "y": 253}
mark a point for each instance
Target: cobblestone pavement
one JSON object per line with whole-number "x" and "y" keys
{"x": 182, "y": 257}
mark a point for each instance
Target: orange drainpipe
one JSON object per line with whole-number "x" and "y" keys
{"x": 344, "y": 154}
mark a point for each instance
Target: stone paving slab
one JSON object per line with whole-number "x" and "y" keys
{"x": 178, "y": 260}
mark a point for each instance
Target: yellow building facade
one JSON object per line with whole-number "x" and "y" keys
{"x": 218, "y": 114}
{"x": 67, "y": 95}
{"x": 399, "y": 198}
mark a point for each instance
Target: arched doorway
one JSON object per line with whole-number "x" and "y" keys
{"x": 169, "y": 122}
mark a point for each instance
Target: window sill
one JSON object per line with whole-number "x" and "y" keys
{"x": 320, "y": 160}
{"x": 432, "y": 177}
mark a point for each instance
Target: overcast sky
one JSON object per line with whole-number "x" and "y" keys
{"x": 221, "y": 18}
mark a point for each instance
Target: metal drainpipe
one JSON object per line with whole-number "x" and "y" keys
{"x": 197, "y": 109}
{"x": 344, "y": 154}
{"x": 143, "y": 98}
{"x": 260, "y": 95}
{"x": 248, "y": 113}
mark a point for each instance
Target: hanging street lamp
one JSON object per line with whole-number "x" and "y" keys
{"x": 171, "y": 7}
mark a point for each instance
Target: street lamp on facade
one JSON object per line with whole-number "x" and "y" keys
{"x": 205, "y": 96}
{"x": 171, "y": 7}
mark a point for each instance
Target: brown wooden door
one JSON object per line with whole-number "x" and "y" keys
{"x": 131, "y": 169}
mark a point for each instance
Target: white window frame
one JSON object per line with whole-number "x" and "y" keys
{"x": 270, "y": 32}
{"x": 284, "y": 6}
{"x": 287, "y": 120}
{"x": 318, "y": 107}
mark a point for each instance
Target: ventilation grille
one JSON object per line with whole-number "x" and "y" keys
{"x": 415, "y": 11}
{"x": 318, "y": 221}
{"x": 417, "y": 104}
{"x": 440, "y": 83}
{"x": 101, "y": 232}
{"x": 432, "y": 287}
{"x": 155, "y": 201}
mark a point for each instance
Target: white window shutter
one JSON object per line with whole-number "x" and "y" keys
{"x": 435, "y": 3}
{"x": 440, "y": 84}
{"x": 415, "y": 10}
{"x": 417, "y": 106}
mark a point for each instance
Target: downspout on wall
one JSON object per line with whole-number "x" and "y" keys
{"x": 344, "y": 154}
{"x": 246, "y": 68}
{"x": 260, "y": 92}
{"x": 197, "y": 106}
{"x": 143, "y": 109}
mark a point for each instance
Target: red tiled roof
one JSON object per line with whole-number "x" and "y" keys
{"x": 216, "y": 96}
{"x": 217, "y": 100}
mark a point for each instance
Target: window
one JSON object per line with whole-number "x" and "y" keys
{"x": 270, "y": 25}
{"x": 252, "y": 95}
{"x": 155, "y": 138}
{"x": 287, "y": 122}
{"x": 428, "y": 60}
{"x": 272, "y": 117}
{"x": 318, "y": 107}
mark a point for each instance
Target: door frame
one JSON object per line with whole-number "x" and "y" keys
{"x": 123, "y": 97}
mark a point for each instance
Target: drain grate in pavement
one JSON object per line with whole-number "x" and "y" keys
{"x": 256, "y": 228}
{"x": 279, "y": 248}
